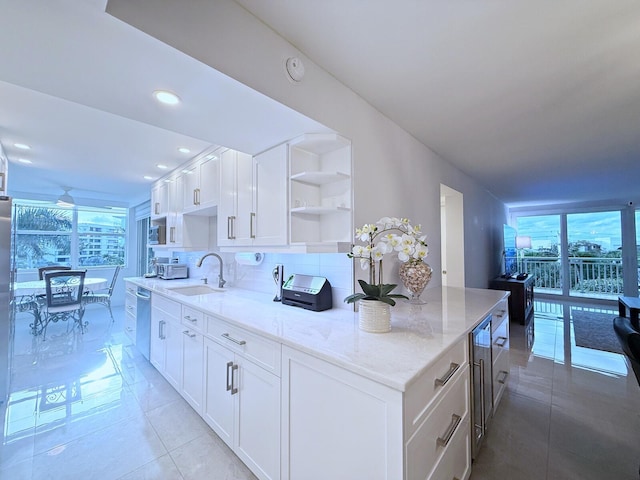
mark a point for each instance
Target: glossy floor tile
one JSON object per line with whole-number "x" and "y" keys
{"x": 89, "y": 406}
{"x": 569, "y": 412}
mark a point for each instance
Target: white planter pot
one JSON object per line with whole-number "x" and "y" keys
{"x": 374, "y": 316}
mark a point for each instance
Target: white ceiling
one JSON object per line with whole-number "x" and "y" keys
{"x": 538, "y": 100}
{"x": 76, "y": 85}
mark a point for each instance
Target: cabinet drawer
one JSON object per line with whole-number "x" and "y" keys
{"x": 259, "y": 350}
{"x": 499, "y": 339}
{"x": 499, "y": 314}
{"x": 173, "y": 309}
{"x": 433, "y": 438}
{"x": 131, "y": 306}
{"x": 130, "y": 289}
{"x": 456, "y": 461}
{"x": 433, "y": 383}
{"x": 130, "y": 326}
{"x": 192, "y": 318}
{"x": 500, "y": 376}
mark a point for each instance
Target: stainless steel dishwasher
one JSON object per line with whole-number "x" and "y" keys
{"x": 143, "y": 321}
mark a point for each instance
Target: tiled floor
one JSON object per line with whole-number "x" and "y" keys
{"x": 90, "y": 407}
{"x": 569, "y": 412}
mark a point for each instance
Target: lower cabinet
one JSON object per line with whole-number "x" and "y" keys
{"x": 242, "y": 405}
{"x": 339, "y": 425}
{"x": 130, "y": 309}
{"x": 499, "y": 351}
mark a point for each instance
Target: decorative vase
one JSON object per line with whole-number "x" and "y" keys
{"x": 415, "y": 275}
{"x": 374, "y": 316}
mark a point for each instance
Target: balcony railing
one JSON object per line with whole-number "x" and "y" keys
{"x": 589, "y": 276}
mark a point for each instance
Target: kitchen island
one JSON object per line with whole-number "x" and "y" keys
{"x": 336, "y": 401}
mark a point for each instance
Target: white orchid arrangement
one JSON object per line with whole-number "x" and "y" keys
{"x": 387, "y": 235}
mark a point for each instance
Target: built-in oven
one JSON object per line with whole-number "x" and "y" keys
{"x": 481, "y": 384}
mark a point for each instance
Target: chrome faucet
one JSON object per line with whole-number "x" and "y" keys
{"x": 221, "y": 280}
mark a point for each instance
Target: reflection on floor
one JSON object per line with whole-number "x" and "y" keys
{"x": 90, "y": 407}
{"x": 569, "y": 412}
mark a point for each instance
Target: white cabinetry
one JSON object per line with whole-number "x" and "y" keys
{"x": 166, "y": 339}
{"x": 192, "y": 357}
{"x": 159, "y": 200}
{"x": 242, "y": 395}
{"x": 320, "y": 191}
{"x": 183, "y": 232}
{"x": 130, "y": 310}
{"x": 422, "y": 433}
{"x": 202, "y": 186}
{"x": 253, "y": 193}
{"x": 499, "y": 350}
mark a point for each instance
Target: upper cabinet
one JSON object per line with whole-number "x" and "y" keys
{"x": 160, "y": 199}
{"x": 296, "y": 197}
{"x": 202, "y": 185}
{"x": 320, "y": 192}
{"x": 253, "y": 199}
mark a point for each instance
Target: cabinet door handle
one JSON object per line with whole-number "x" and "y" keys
{"x": 229, "y": 366}
{"x": 156, "y": 208}
{"x": 229, "y": 337}
{"x": 161, "y": 330}
{"x": 480, "y": 365}
{"x": 234, "y": 389}
{"x": 446, "y": 438}
{"x": 192, "y": 320}
{"x": 172, "y": 237}
{"x": 189, "y": 334}
{"x": 453, "y": 368}
{"x": 252, "y": 220}
{"x": 230, "y": 228}
{"x": 501, "y": 341}
{"x": 501, "y": 313}
{"x": 504, "y": 378}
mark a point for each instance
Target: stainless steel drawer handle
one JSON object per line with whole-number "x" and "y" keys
{"x": 192, "y": 320}
{"x": 501, "y": 313}
{"x": 455, "y": 421}
{"x": 453, "y": 368}
{"x": 229, "y": 366}
{"x": 501, "y": 341}
{"x": 229, "y": 337}
{"x": 234, "y": 389}
{"x": 189, "y": 334}
{"x": 504, "y": 378}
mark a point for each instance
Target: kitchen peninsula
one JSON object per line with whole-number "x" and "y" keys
{"x": 299, "y": 394}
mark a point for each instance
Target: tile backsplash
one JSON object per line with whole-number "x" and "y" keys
{"x": 337, "y": 268}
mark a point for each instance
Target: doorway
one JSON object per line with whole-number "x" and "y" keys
{"x": 451, "y": 237}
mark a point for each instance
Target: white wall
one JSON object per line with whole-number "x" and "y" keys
{"x": 394, "y": 174}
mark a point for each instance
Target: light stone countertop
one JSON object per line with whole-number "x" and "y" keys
{"x": 419, "y": 335}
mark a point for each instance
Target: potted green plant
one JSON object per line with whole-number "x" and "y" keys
{"x": 387, "y": 235}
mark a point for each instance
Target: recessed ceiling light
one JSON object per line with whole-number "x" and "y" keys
{"x": 184, "y": 150}
{"x": 162, "y": 166}
{"x": 148, "y": 177}
{"x": 24, "y": 160}
{"x": 166, "y": 97}
{"x": 22, "y": 146}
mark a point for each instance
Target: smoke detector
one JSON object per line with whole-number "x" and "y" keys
{"x": 294, "y": 69}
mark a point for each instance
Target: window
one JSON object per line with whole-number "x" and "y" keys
{"x": 46, "y": 234}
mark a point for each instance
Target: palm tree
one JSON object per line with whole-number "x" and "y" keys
{"x": 31, "y": 246}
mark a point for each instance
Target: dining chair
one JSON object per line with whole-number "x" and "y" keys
{"x": 50, "y": 268}
{"x": 102, "y": 297}
{"x": 63, "y": 300}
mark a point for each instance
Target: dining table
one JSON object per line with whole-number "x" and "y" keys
{"x": 38, "y": 287}
{"x": 26, "y": 295}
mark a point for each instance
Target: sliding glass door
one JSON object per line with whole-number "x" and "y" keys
{"x": 594, "y": 254}
{"x": 581, "y": 254}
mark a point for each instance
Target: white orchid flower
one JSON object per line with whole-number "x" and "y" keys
{"x": 359, "y": 251}
{"x": 405, "y": 254}
{"x": 364, "y": 263}
{"x": 420, "y": 252}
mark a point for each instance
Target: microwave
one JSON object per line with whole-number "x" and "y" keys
{"x": 157, "y": 235}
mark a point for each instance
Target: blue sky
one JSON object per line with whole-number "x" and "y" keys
{"x": 602, "y": 228}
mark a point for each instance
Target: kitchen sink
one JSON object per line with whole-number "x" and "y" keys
{"x": 192, "y": 290}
